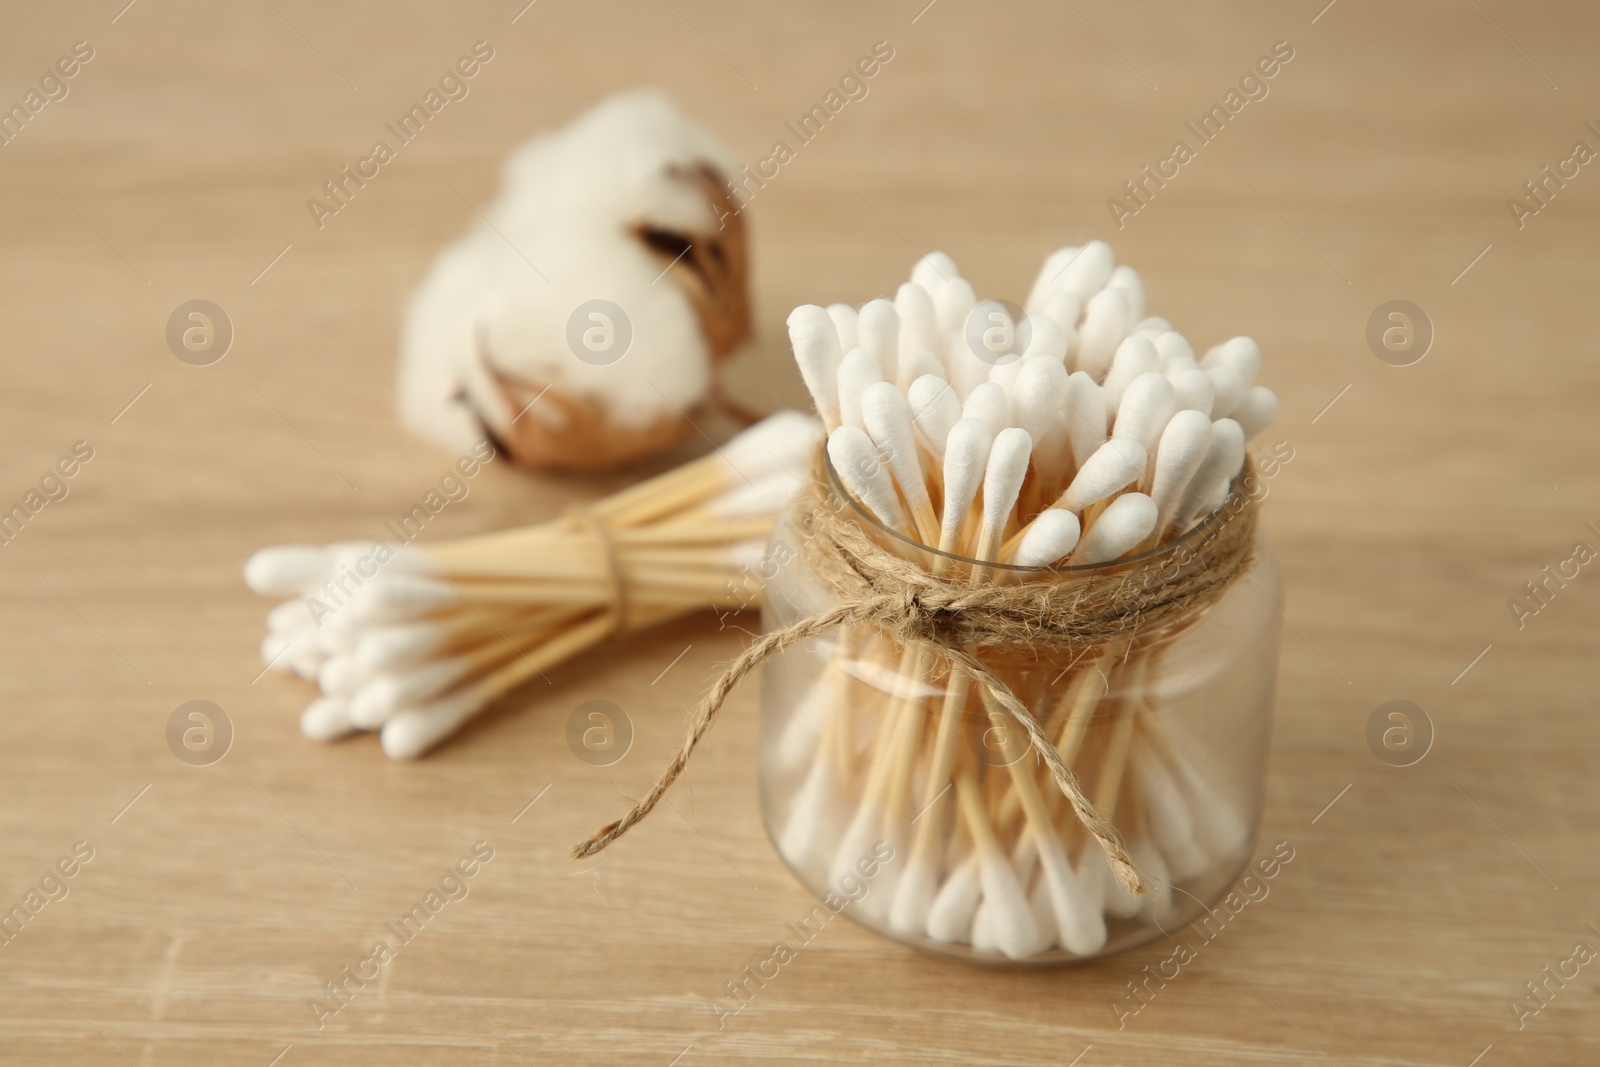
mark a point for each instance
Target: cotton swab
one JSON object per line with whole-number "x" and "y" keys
{"x": 1113, "y": 467}
{"x": 861, "y": 468}
{"x": 888, "y": 421}
{"x": 844, "y": 323}
{"x": 815, "y": 341}
{"x": 1105, "y": 323}
{"x": 988, "y": 404}
{"x": 1256, "y": 411}
{"x": 1146, "y": 407}
{"x": 1048, "y": 538}
{"x": 1129, "y": 520}
{"x": 935, "y": 409}
{"x": 878, "y": 331}
{"x": 859, "y": 370}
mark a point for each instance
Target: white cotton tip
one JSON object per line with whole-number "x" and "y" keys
{"x": 935, "y": 409}
{"x": 1047, "y": 281}
{"x": 1080, "y": 926}
{"x": 1015, "y": 932}
{"x": 933, "y": 269}
{"x": 326, "y": 719}
{"x": 1183, "y": 447}
{"x": 1239, "y": 354}
{"x": 815, "y": 341}
{"x": 1105, "y": 324}
{"x": 1050, "y": 537}
{"x": 1224, "y": 457}
{"x": 888, "y": 422}
{"x": 1003, "y": 476}
{"x": 292, "y": 614}
{"x": 283, "y": 570}
{"x": 1086, "y": 414}
{"x": 394, "y": 597}
{"x": 413, "y": 732}
{"x": 1227, "y": 388}
{"x": 1175, "y": 351}
{"x": 1046, "y": 340}
{"x": 802, "y": 733}
{"x": 304, "y": 657}
{"x": 1039, "y": 401}
{"x": 965, "y": 456}
{"x": 340, "y": 676}
{"x": 918, "y": 324}
{"x": 953, "y": 301}
{"x": 1257, "y": 411}
{"x": 1064, "y": 309}
{"x": 1087, "y": 272}
{"x": 858, "y": 371}
{"x": 878, "y": 331}
{"x": 983, "y": 937}
{"x": 275, "y": 649}
{"x": 1153, "y": 326}
{"x": 1043, "y": 909}
{"x": 781, "y": 442}
{"x": 1170, "y": 818}
{"x": 814, "y": 821}
{"x": 1135, "y": 356}
{"x": 865, "y": 829}
{"x": 844, "y": 324}
{"x": 383, "y": 648}
{"x": 337, "y": 641}
{"x": 1126, "y": 522}
{"x": 1113, "y": 466}
{"x": 1147, "y": 406}
{"x": 955, "y": 905}
{"x": 988, "y": 404}
{"x": 1127, "y": 279}
{"x": 917, "y": 363}
{"x": 382, "y": 696}
{"x": 913, "y": 896}
{"x": 1192, "y": 388}
{"x": 862, "y": 470}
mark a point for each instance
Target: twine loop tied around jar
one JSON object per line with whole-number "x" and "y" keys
{"x": 1067, "y": 609}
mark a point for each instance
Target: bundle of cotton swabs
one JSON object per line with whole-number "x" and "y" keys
{"x": 1077, "y": 432}
{"x": 415, "y": 640}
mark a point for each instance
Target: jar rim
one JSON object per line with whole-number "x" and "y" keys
{"x": 1172, "y": 547}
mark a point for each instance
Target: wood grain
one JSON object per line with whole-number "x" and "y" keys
{"x": 1377, "y": 168}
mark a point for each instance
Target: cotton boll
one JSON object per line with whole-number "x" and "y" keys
{"x": 627, "y": 204}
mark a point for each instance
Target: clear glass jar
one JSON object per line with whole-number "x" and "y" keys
{"x": 908, "y": 801}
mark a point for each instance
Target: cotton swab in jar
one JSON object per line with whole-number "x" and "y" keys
{"x": 859, "y": 370}
{"x": 815, "y": 341}
{"x": 1128, "y": 444}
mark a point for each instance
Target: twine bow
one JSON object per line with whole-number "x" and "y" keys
{"x": 875, "y": 586}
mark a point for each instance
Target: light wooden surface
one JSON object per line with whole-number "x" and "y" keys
{"x": 215, "y": 906}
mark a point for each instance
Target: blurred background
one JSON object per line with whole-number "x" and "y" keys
{"x": 1433, "y": 475}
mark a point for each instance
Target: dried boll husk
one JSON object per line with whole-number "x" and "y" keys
{"x": 627, "y": 204}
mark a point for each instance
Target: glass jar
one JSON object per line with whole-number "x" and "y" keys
{"x": 909, "y": 800}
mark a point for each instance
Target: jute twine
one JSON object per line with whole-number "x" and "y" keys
{"x": 1065, "y": 610}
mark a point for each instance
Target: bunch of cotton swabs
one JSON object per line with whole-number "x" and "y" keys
{"x": 1085, "y": 432}
{"x": 429, "y": 635}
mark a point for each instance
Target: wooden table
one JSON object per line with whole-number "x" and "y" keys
{"x": 219, "y": 899}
